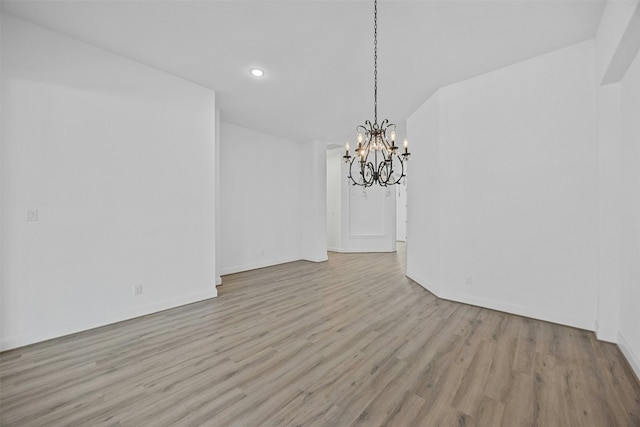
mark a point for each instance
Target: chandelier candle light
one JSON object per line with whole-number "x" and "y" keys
{"x": 378, "y": 160}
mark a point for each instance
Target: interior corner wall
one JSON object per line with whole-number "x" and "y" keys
{"x": 313, "y": 196}
{"x": 107, "y": 183}
{"x": 261, "y": 202}
{"x": 618, "y": 39}
{"x": 629, "y": 335}
{"x": 618, "y": 65}
{"x": 423, "y": 196}
{"x": 609, "y": 213}
{"x": 218, "y": 225}
{"x": 516, "y": 183}
{"x": 334, "y": 209}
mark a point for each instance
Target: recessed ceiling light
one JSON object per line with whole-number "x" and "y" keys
{"x": 256, "y": 72}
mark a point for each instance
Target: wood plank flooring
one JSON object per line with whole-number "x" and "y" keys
{"x": 348, "y": 342}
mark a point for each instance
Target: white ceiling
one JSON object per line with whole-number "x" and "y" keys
{"x": 318, "y": 55}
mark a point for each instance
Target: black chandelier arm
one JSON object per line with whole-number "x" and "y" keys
{"x": 364, "y": 128}
{"x": 389, "y": 167}
{"x": 363, "y": 168}
{"x": 402, "y": 174}
{"x": 382, "y": 175}
{"x": 368, "y": 167}
{"x": 350, "y": 176}
{"x": 385, "y": 126}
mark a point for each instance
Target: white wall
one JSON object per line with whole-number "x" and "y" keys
{"x": 368, "y": 221}
{"x": 401, "y": 210}
{"x": 260, "y": 200}
{"x": 609, "y": 216}
{"x": 516, "y": 184}
{"x": 218, "y": 225}
{"x": 629, "y": 337}
{"x": 359, "y": 219}
{"x": 618, "y": 39}
{"x": 401, "y": 189}
{"x": 313, "y": 211}
{"x": 618, "y": 64}
{"x": 423, "y": 196}
{"x": 117, "y": 158}
{"x": 334, "y": 208}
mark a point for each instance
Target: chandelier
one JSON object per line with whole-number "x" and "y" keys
{"x": 376, "y": 159}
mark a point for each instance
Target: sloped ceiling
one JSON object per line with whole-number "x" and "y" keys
{"x": 318, "y": 55}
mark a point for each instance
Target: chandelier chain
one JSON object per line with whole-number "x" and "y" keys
{"x": 375, "y": 61}
{"x": 377, "y": 159}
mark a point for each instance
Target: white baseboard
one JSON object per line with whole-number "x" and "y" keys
{"x": 256, "y": 265}
{"x": 608, "y": 335}
{"x": 425, "y": 284}
{"x": 12, "y": 342}
{"x": 317, "y": 259}
{"x": 534, "y": 313}
{"x": 138, "y": 311}
{"x": 360, "y": 250}
{"x": 630, "y": 355}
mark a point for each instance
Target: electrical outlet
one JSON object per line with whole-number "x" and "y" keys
{"x": 469, "y": 281}
{"x": 137, "y": 290}
{"x": 32, "y": 215}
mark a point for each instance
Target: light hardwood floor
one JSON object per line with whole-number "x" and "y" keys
{"x": 348, "y": 342}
